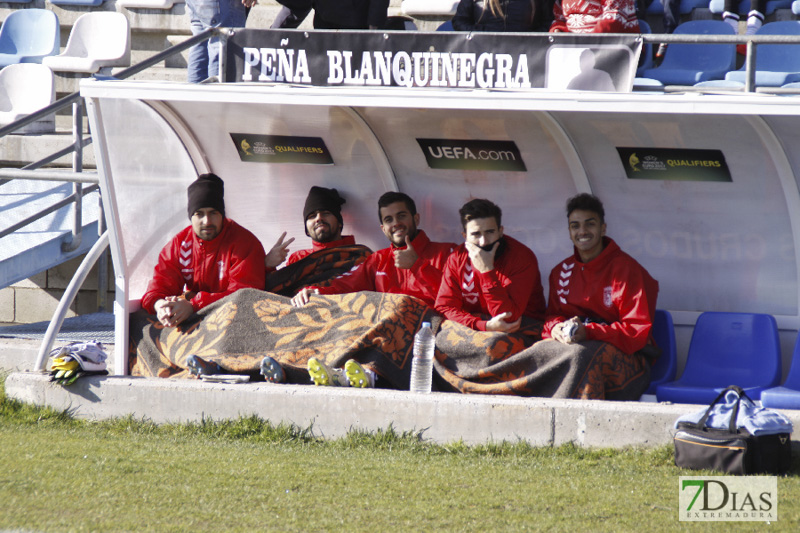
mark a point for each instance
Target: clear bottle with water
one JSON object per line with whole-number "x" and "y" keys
{"x": 422, "y": 363}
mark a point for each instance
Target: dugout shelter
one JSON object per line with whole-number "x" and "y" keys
{"x": 701, "y": 189}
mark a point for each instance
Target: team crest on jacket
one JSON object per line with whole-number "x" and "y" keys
{"x": 185, "y": 260}
{"x": 607, "y": 300}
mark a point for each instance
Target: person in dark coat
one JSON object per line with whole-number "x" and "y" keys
{"x": 498, "y": 15}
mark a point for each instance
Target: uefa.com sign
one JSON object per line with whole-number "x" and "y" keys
{"x": 728, "y": 498}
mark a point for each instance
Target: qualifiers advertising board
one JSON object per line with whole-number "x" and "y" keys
{"x": 518, "y": 61}
{"x": 675, "y": 164}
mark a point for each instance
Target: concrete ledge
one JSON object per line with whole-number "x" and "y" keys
{"x": 17, "y": 355}
{"x": 332, "y": 412}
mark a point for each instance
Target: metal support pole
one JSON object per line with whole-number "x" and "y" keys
{"x": 66, "y": 300}
{"x": 102, "y": 263}
{"x": 223, "y": 51}
{"x": 750, "y": 61}
{"x": 77, "y": 188}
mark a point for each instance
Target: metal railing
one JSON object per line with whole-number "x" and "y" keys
{"x": 752, "y": 42}
{"x": 77, "y": 176}
{"x": 79, "y": 142}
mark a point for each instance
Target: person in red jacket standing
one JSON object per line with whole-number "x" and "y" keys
{"x": 211, "y": 258}
{"x": 599, "y": 293}
{"x": 492, "y": 280}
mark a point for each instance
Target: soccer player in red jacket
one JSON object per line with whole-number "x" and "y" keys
{"x": 491, "y": 280}
{"x": 210, "y": 259}
{"x": 322, "y": 218}
{"x": 600, "y": 292}
{"x": 411, "y": 265}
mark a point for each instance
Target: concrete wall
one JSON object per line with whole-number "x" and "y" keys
{"x": 35, "y": 299}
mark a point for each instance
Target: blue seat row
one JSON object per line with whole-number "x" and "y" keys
{"x": 726, "y": 349}
{"x": 714, "y": 65}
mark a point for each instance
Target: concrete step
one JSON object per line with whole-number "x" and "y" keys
{"x": 18, "y": 150}
{"x": 333, "y": 411}
{"x": 38, "y": 246}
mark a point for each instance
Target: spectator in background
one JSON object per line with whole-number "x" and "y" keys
{"x": 755, "y": 18}
{"x": 334, "y": 14}
{"x": 670, "y": 20}
{"x": 206, "y": 14}
{"x": 497, "y": 15}
{"x": 595, "y": 16}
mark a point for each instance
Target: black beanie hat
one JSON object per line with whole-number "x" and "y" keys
{"x": 322, "y": 199}
{"x": 208, "y": 190}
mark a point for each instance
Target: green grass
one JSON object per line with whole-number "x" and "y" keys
{"x": 62, "y": 474}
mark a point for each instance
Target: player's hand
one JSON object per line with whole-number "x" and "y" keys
{"x": 482, "y": 261}
{"x": 301, "y": 298}
{"x": 569, "y": 331}
{"x": 277, "y": 254}
{"x": 407, "y": 257}
{"x": 499, "y": 323}
{"x": 172, "y": 311}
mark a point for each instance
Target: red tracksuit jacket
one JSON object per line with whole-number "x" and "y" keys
{"x": 379, "y": 274}
{"x": 347, "y": 240}
{"x": 514, "y": 285}
{"x": 614, "y": 291}
{"x": 233, "y": 260}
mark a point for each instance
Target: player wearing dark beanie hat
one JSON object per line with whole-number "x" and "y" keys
{"x": 208, "y": 190}
{"x": 323, "y": 199}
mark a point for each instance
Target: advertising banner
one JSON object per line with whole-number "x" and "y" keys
{"x": 434, "y": 59}
{"x": 675, "y": 164}
{"x": 258, "y": 148}
{"x": 472, "y": 154}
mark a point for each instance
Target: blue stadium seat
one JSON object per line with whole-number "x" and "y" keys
{"x": 687, "y": 6}
{"x": 786, "y": 396}
{"x": 28, "y": 35}
{"x": 92, "y": 3}
{"x": 718, "y": 6}
{"x": 445, "y": 26}
{"x": 18, "y": 1}
{"x": 666, "y": 366}
{"x": 727, "y": 349}
{"x": 776, "y": 64}
{"x": 656, "y": 7}
{"x": 687, "y": 64}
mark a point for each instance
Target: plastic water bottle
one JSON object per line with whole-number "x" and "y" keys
{"x": 422, "y": 363}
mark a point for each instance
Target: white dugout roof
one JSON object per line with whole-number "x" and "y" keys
{"x": 712, "y": 245}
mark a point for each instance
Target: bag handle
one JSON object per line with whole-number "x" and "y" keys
{"x": 701, "y": 424}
